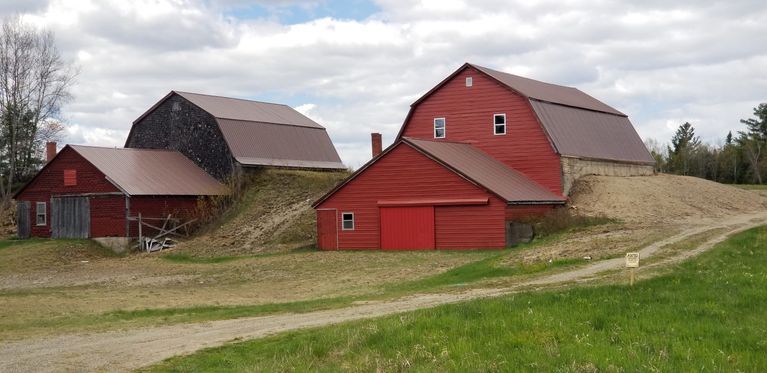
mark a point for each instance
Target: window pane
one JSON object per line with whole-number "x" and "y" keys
{"x": 439, "y": 132}
{"x": 439, "y": 123}
{"x": 500, "y": 119}
{"x": 347, "y": 221}
{"x": 500, "y": 129}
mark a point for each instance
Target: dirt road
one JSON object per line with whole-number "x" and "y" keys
{"x": 120, "y": 351}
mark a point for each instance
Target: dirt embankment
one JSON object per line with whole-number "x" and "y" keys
{"x": 661, "y": 199}
{"x": 648, "y": 209}
{"x": 273, "y": 213}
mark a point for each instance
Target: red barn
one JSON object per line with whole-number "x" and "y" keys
{"x": 476, "y": 152}
{"x": 89, "y": 192}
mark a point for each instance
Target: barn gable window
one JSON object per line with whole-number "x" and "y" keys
{"x": 499, "y": 124}
{"x": 347, "y": 221}
{"x": 41, "y": 213}
{"x": 70, "y": 177}
{"x": 439, "y": 128}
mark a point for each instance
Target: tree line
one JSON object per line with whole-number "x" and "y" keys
{"x": 34, "y": 83}
{"x": 741, "y": 159}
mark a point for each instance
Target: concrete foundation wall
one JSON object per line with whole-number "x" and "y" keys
{"x": 574, "y": 168}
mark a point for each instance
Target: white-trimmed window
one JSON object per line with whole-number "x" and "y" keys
{"x": 469, "y": 81}
{"x": 347, "y": 221}
{"x": 41, "y": 213}
{"x": 499, "y": 124}
{"x": 439, "y": 128}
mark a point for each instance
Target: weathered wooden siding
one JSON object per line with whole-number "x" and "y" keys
{"x": 180, "y": 125}
{"x": 23, "y": 219}
{"x": 468, "y": 112}
{"x": 404, "y": 173}
{"x": 50, "y": 182}
{"x": 70, "y": 217}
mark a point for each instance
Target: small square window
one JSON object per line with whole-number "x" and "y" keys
{"x": 499, "y": 124}
{"x": 469, "y": 81}
{"x": 70, "y": 177}
{"x": 41, "y": 213}
{"x": 347, "y": 221}
{"x": 439, "y": 128}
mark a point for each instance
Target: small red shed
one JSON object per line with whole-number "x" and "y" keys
{"x": 421, "y": 194}
{"x": 89, "y": 192}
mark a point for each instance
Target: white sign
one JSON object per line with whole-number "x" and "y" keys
{"x": 632, "y": 260}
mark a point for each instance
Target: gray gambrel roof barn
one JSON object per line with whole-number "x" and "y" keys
{"x": 220, "y": 134}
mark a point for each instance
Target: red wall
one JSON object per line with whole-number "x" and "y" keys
{"x": 520, "y": 211}
{"x": 405, "y": 174}
{"x": 107, "y": 216}
{"x": 184, "y": 207}
{"x": 50, "y": 181}
{"x": 468, "y": 112}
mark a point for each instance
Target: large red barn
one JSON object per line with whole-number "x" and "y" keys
{"x": 481, "y": 149}
{"x": 89, "y": 192}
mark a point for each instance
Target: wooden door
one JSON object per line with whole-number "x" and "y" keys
{"x": 70, "y": 217}
{"x": 327, "y": 229}
{"x": 404, "y": 228}
{"x": 23, "y": 219}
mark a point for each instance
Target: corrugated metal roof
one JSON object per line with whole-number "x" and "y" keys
{"x": 256, "y": 111}
{"x": 486, "y": 171}
{"x": 587, "y": 134}
{"x": 548, "y": 92}
{"x": 150, "y": 171}
{"x": 266, "y": 144}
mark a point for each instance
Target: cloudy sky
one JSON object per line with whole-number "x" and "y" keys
{"x": 355, "y": 66}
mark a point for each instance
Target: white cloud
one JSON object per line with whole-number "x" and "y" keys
{"x": 661, "y": 63}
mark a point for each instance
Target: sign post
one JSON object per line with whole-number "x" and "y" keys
{"x": 632, "y": 263}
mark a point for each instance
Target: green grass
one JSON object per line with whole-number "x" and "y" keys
{"x": 709, "y": 314}
{"x": 483, "y": 269}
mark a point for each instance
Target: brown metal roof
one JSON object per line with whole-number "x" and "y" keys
{"x": 266, "y": 144}
{"x": 150, "y": 171}
{"x": 486, "y": 171}
{"x": 255, "y": 111}
{"x": 548, "y": 92}
{"x": 588, "y": 134}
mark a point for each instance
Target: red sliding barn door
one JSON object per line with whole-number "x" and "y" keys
{"x": 407, "y": 227}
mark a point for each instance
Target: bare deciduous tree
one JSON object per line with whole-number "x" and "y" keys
{"x": 34, "y": 83}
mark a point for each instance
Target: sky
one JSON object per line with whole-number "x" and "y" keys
{"x": 356, "y": 66}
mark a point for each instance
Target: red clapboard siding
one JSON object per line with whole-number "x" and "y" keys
{"x": 458, "y": 226}
{"x": 404, "y": 228}
{"x": 520, "y": 211}
{"x": 107, "y": 216}
{"x": 50, "y": 181}
{"x": 468, "y": 112}
{"x": 183, "y": 207}
{"x": 404, "y": 173}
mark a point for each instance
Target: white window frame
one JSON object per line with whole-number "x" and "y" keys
{"x": 469, "y": 82}
{"x": 38, "y": 214}
{"x": 503, "y": 115}
{"x": 444, "y": 128}
{"x": 343, "y": 226}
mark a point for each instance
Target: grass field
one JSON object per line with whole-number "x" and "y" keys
{"x": 708, "y": 314}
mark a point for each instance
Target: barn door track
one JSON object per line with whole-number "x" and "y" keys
{"x": 126, "y": 350}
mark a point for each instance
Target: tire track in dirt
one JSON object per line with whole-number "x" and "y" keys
{"x": 126, "y": 350}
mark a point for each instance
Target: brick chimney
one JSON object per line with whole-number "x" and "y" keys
{"x": 376, "y": 142}
{"x": 50, "y": 150}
